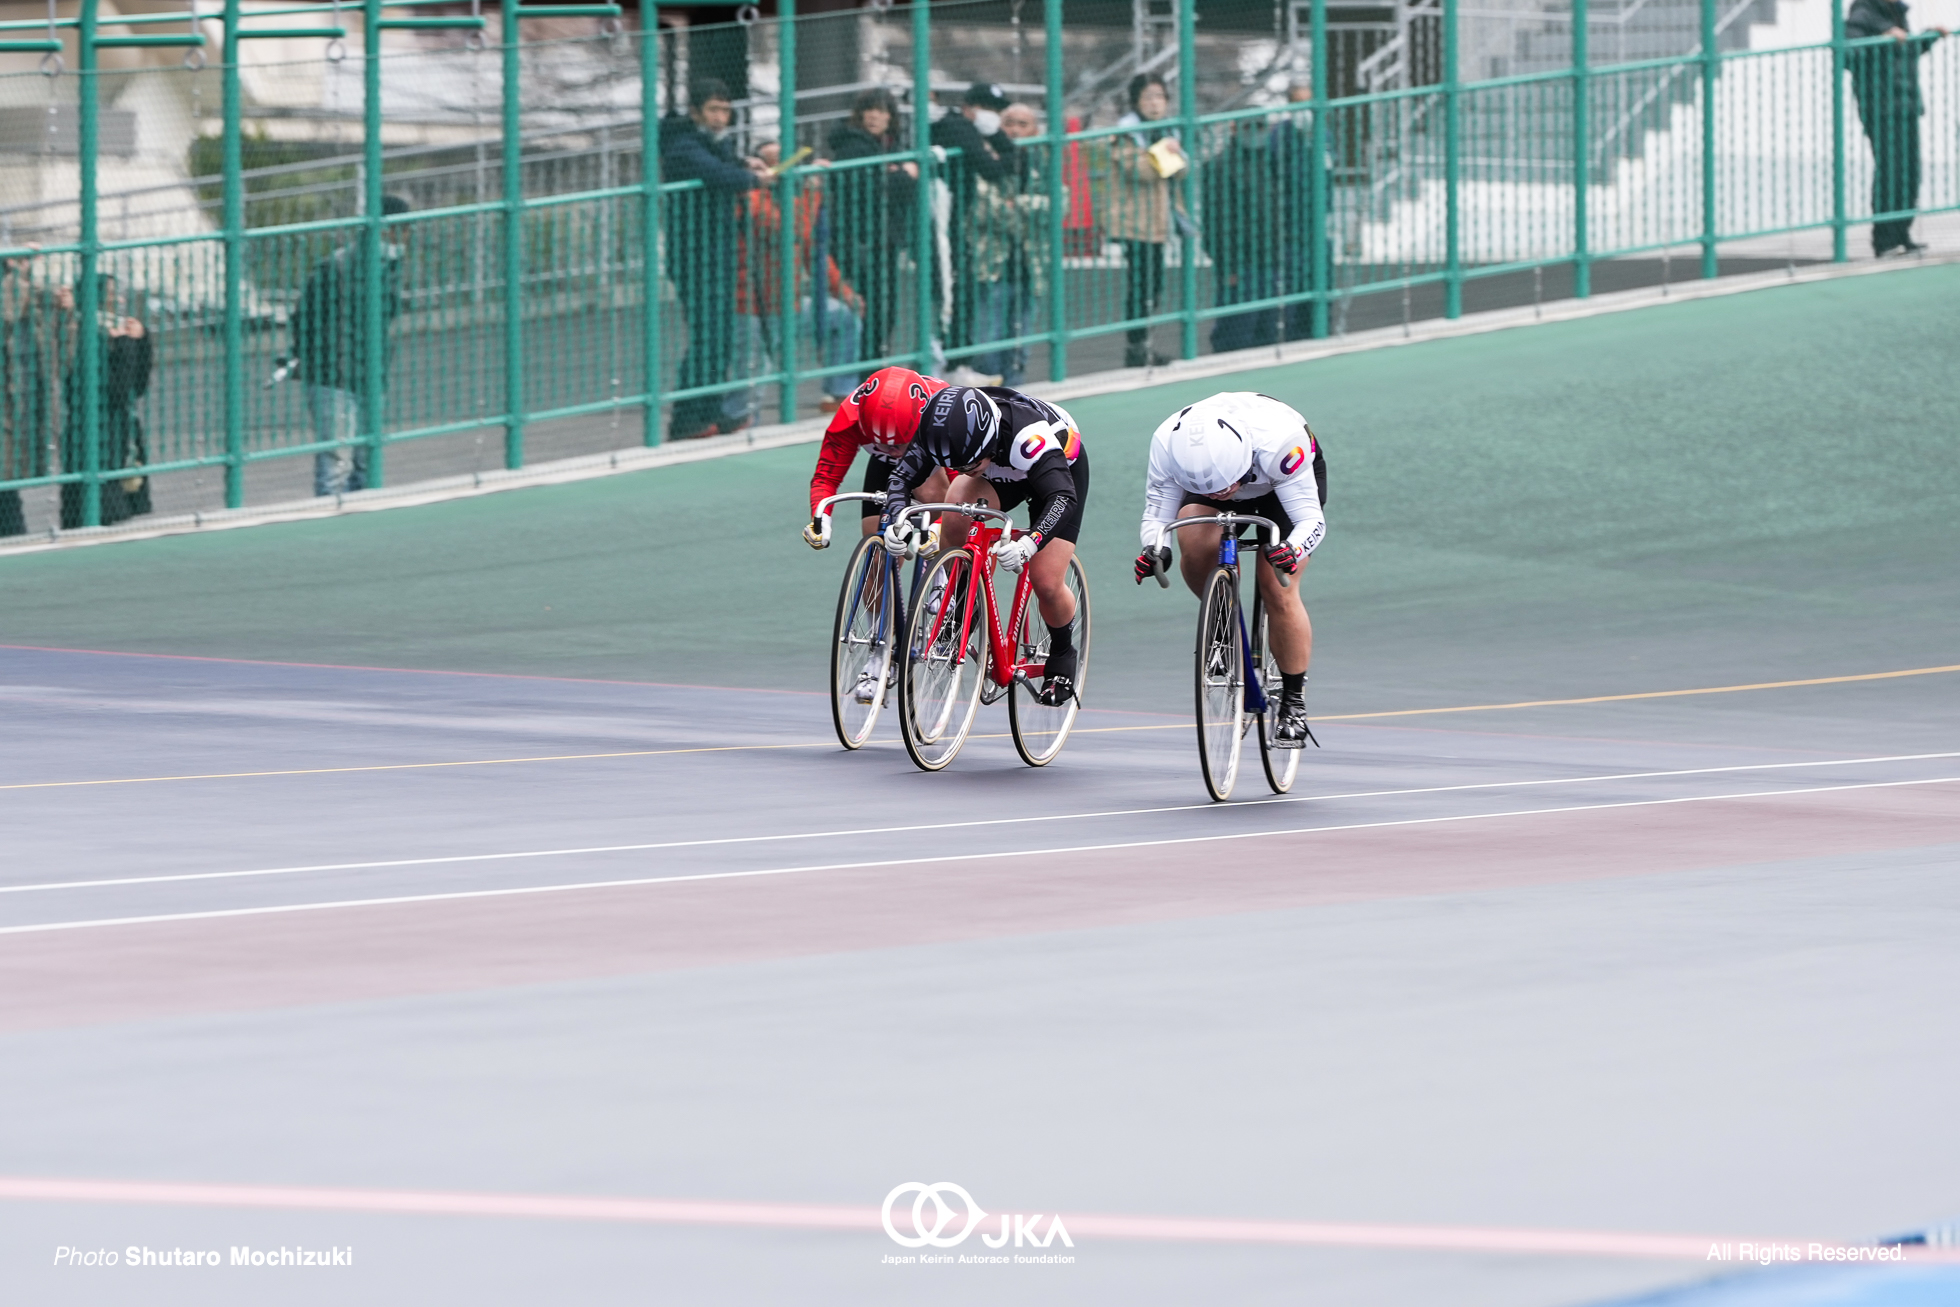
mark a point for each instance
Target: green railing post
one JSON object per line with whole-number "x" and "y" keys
{"x": 1710, "y": 68}
{"x": 1581, "y": 149}
{"x": 234, "y": 246}
{"x": 1452, "y": 169}
{"x": 786, "y": 188}
{"x": 922, "y": 243}
{"x": 1323, "y": 272}
{"x": 1187, "y": 110}
{"x": 513, "y": 145}
{"x": 650, "y": 213}
{"x": 1057, "y": 198}
{"x": 373, "y": 323}
{"x": 88, "y": 290}
{"x": 1838, "y": 254}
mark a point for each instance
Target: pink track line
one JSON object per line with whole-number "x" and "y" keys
{"x": 867, "y": 1220}
{"x": 408, "y": 671}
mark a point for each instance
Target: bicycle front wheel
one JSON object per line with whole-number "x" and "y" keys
{"x": 1220, "y": 674}
{"x": 945, "y": 662}
{"x": 1039, "y": 730}
{"x": 1281, "y": 764}
{"x": 861, "y": 644}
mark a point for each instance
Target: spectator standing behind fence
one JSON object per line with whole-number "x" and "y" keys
{"x": 972, "y": 130}
{"x": 1010, "y": 246}
{"x": 758, "y": 296}
{"x": 702, "y": 227}
{"x": 1885, "y": 80}
{"x": 871, "y": 213}
{"x": 29, "y": 362}
{"x": 330, "y": 350}
{"x": 1293, "y": 165}
{"x": 126, "y": 363}
{"x": 1134, "y": 205}
{"x": 1242, "y": 235}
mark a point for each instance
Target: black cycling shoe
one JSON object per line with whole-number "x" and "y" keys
{"x": 1059, "y": 675}
{"x": 1292, "y": 731}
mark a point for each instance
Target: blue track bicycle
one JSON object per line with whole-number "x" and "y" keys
{"x": 1233, "y": 664}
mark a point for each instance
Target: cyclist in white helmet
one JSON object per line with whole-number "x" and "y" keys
{"x": 1244, "y": 453}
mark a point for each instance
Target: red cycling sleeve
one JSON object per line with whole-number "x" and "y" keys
{"x": 833, "y": 462}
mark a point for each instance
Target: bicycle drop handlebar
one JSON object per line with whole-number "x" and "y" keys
{"x": 1160, "y": 561}
{"x": 823, "y": 510}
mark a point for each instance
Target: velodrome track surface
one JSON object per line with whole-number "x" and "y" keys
{"x": 315, "y": 838}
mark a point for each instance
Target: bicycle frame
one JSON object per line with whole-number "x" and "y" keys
{"x": 896, "y": 613}
{"x": 1001, "y": 665}
{"x": 1229, "y": 525}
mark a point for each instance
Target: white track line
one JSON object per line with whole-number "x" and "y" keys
{"x": 941, "y": 826}
{"x": 638, "y": 881}
{"x": 868, "y": 1220}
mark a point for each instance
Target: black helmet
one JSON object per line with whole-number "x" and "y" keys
{"x": 960, "y": 427}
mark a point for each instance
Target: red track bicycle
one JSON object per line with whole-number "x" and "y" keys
{"x": 959, "y": 654}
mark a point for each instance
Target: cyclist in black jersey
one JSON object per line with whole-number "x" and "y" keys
{"x": 1008, "y": 449}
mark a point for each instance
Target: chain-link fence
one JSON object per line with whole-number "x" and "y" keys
{"x": 301, "y": 249}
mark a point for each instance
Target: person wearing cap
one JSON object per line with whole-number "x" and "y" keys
{"x": 330, "y": 354}
{"x": 1239, "y": 452}
{"x": 1008, "y": 449}
{"x": 968, "y": 130}
{"x": 1009, "y": 254}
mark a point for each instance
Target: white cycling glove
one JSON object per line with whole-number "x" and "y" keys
{"x": 1014, "y": 554}
{"x": 898, "y": 538}
{"x": 815, "y": 536}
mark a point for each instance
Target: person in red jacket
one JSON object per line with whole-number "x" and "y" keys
{"x": 882, "y": 413}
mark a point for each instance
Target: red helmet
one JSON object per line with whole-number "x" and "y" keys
{"x": 891, "y": 401}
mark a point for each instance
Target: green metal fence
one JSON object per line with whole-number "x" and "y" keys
{"x": 414, "y": 220}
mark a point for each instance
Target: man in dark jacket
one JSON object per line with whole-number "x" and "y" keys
{"x": 330, "y": 348}
{"x": 1885, "y": 79}
{"x": 701, "y": 252}
{"x": 968, "y": 130}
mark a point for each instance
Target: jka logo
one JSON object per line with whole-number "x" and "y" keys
{"x": 935, "y": 1229}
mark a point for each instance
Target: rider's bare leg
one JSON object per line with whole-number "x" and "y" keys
{"x": 1048, "y": 573}
{"x": 964, "y": 490}
{"x": 1287, "y": 622}
{"x": 1197, "y": 548}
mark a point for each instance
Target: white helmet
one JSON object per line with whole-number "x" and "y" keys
{"x": 1208, "y": 452}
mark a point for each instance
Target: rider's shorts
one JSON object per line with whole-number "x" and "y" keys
{"x": 1014, "y": 493}
{"x": 1266, "y": 506}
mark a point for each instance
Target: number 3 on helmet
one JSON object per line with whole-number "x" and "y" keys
{"x": 890, "y": 403}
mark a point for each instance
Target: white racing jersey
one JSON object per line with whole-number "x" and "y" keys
{"x": 1283, "y": 450}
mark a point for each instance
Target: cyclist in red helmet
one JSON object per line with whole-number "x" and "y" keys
{"x": 882, "y": 412}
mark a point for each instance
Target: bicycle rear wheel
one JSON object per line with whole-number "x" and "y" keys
{"x": 945, "y": 662}
{"x": 1040, "y": 731}
{"x": 1281, "y": 764}
{"x": 862, "y": 638}
{"x": 1220, "y": 675}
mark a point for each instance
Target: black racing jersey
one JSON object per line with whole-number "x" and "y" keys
{"x": 1032, "y": 440}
